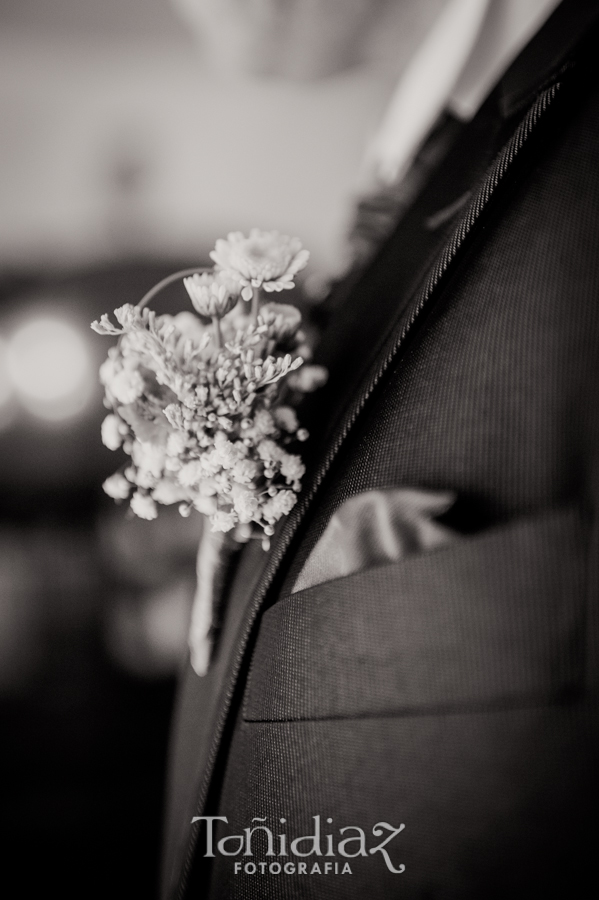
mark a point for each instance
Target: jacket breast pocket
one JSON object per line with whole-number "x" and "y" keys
{"x": 495, "y": 619}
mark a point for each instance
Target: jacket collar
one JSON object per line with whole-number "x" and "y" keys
{"x": 546, "y": 53}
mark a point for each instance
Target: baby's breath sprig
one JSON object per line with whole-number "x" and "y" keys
{"x": 196, "y": 399}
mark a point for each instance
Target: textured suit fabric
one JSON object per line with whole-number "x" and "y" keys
{"x": 455, "y": 691}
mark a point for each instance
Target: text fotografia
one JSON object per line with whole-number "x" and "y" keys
{"x": 335, "y": 849}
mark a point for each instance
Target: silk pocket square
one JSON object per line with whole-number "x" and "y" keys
{"x": 376, "y": 527}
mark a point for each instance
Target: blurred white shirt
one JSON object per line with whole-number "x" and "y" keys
{"x": 466, "y": 51}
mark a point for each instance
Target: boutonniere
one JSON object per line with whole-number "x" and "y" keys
{"x": 203, "y": 402}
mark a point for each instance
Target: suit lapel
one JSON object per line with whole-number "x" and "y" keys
{"x": 427, "y": 262}
{"x": 363, "y": 351}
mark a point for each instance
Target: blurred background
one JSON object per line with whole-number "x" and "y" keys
{"x": 122, "y": 158}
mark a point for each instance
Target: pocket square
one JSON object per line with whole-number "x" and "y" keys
{"x": 375, "y": 527}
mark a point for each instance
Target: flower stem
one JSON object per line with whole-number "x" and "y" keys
{"x": 176, "y": 276}
{"x": 218, "y": 337}
{"x": 255, "y": 304}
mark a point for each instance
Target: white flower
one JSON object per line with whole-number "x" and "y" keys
{"x": 292, "y": 467}
{"x": 109, "y": 370}
{"x": 104, "y": 326}
{"x": 190, "y": 473}
{"x": 308, "y": 379}
{"x": 264, "y": 422}
{"x": 245, "y": 503}
{"x": 223, "y": 521}
{"x": 210, "y": 463}
{"x": 212, "y": 293}
{"x": 144, "y": 479}
{"x": 149, "y": 460}
{"x": 129, "y": 316}
{"x": 283, "y": 318}
{"x": 176, "y": 443}
{"x": 223, "y": 483}
{"x": 227, "y": 452}
{"x": 197, "y": 405}
{"x": 269, "y": 451}
{"x": 143, "y": 506}
{"x": 244, "y": 471}
{"x": 286, "y": 419}
{"x": 279, "y": 505}
{"x": 148, "y": 457}
{"x": 117, "y": 486}
{"x": 264, "y": 259}
{"x": 124, "y": 383}
{"x": 111, "y": 432}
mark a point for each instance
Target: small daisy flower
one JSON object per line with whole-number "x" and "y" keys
{"x": 265, "y": 259}
{"x": 212, "y": 294}
{"x": 283, "y": 319}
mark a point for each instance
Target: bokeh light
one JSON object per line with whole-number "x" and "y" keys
{"x": 50, "y": 368}
{"x": 5, "y": 384}
{"x": 7, "y": 404}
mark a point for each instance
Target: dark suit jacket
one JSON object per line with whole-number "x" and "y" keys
{"x": 455, "y": 691}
